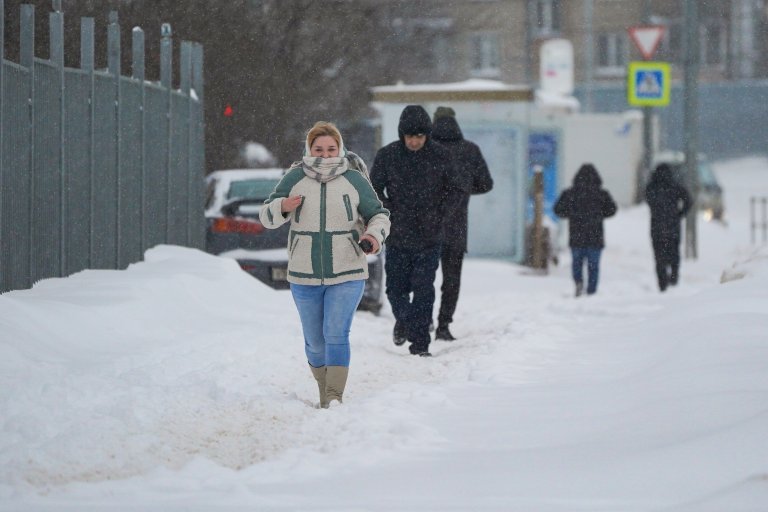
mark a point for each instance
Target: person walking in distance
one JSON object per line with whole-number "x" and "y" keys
{"x": 413, "y": 177}
{"x": 669, "y": 203}
{"x": 331, "y": 206}
{"x": 585, "y": 205}
{"x": 473, "y": 178}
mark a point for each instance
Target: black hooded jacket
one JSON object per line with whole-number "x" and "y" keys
{"x": 473, "y": 175}
{"x": 417, "y": 187}
{"x": 668, "y": 202}
{"x": 585, "y": 205}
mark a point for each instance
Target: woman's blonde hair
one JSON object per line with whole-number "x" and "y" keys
{"x": 322, "y": 128}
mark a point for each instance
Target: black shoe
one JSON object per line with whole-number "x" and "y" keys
{"x": 443, "y": 333}
{"x": 421, "y": 353}
{"x": 579, "y": 288}
{"x": 398, "y": 335}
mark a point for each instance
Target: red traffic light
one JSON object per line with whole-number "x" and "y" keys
{"x": 228, "y": 111}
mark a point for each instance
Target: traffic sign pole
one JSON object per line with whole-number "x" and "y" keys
{"x": 647, "y": 38}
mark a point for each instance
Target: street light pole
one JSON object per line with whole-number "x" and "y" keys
{"x": 691, "y": 122}
{"x": 589, "y": 54}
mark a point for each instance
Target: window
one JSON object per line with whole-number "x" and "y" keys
{"x": 258, "y": 189}
{"x": 712, "y": 41}
{"x": 485, "y": 54}
{"x": 548, "y": 16}
{"x": 672, "y": 45}
{"x": 442, "y": 56}
{"x": 611, "y": 51}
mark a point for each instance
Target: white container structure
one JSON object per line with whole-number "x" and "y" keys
{"x": 495, "y": 116}
{"x": 519, "y": 129}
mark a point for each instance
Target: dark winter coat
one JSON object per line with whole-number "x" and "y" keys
{"x": 668, "y": 202}
{"x": 473, "y": 175}
{"x": 585, "y": 205}
{"x": 417, "y": 187}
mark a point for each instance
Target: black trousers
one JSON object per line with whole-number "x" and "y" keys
{"x": 451, "y": 260}
{"x": 411, "y": 290}
{"x": 666, "y": 252}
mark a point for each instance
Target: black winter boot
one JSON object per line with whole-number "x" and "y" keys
{"x": 398, "y": 335}
{"x": 443, "y": 333}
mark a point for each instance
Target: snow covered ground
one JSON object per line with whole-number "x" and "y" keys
{"x": 181, "y": 384}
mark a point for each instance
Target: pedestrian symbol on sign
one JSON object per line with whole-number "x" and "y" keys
{"x": 649, "y": 84}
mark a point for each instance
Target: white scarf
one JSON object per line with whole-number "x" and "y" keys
{"x": 324, "y": 169}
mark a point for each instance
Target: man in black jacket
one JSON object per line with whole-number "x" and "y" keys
{"x": 413, "y": 178}
{"x": 473, "y": 178}
{"x": 669, "y": 202}
{"x": 585, "y": 205}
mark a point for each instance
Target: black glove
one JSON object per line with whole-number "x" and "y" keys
{"x": 365, "y": 245}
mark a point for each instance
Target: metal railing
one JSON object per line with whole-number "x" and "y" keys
{"x": 96, "y": 167}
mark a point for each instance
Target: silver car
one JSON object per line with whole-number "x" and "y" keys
{"x": 710, "y": 197}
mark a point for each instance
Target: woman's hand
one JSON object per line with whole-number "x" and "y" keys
{"x": 374, "y": 243}
{"x": 290, "y": 203}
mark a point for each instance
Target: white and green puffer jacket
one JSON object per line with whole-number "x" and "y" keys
{"x": 325, "y": 228}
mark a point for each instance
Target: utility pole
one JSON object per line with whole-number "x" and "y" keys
{"x": 691, "y": 121}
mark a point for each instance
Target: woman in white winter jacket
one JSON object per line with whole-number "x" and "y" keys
{"x": 336, "y": 218}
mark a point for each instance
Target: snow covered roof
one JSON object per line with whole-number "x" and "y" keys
{"x": 474, "y": 89}
{"x": 551, "y": 100}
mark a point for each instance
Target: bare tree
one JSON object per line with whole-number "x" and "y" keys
{"x": 279, "y": 64}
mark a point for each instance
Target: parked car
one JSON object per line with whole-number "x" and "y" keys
{"x": 710, "y": 197}
{"x": 233, "y": 200}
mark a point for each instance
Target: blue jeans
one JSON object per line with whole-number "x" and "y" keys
{"x": 412, "y": 271}
{"x": 326, "y": 313}
{"x": 592, "y": 257}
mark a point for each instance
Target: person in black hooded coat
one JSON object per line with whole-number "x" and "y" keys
{"x": 414, "y": 178}
{"x": 585, "y": 205}
{"x": 473, "y": 178}
{"x": 669, "y": 202}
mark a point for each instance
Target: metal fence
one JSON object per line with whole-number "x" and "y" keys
{"x": 96, "y": 167}
{"x": 758, "y": 219}
{"x": 731, "y": 116}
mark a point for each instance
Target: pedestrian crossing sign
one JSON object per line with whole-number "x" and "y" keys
{"x": 648, "y": 84}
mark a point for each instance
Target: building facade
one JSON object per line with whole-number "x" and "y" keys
{"x": 454, "y": 40}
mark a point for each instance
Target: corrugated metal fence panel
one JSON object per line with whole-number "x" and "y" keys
{"x": 77, "y": 167}
{"x": 177, "y": 185}
{"x": 130, "y": 172}
{"x": 156, "y": 165}
{"x": 196, "y": 200}
{"x": 16, "y": 180}
{"x": 96, "y": 168}
{"x": 731, "y": 116}
{"x": 46, "y": 199}
{"x": 104, "y": 235}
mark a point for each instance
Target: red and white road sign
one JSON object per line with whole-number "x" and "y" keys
{"x": 647, "y": 38}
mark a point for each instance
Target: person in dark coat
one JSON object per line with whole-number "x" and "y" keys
{"x": 473, "y": 178}
{"x": 669, "y": 202}
{"x": 413, "y": 177}
{"x": 585, "y": 205}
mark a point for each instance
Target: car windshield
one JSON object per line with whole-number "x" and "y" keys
{"x": 258, "y": 189}
{"x": 706, "y": 176}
